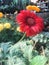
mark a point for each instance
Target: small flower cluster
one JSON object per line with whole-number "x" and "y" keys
{"x": 5, "y": 26}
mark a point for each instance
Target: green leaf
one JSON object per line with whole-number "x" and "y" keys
{"x": 38, "y": 60}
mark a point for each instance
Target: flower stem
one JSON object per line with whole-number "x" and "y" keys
{"x": 22, "y": 37}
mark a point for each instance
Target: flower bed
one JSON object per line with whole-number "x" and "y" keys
{"x": 24, "y": 37}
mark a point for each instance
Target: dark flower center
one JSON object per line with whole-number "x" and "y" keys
{"x": 30, "y": 21}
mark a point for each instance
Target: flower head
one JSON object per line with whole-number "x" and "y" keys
{"x": 29, "y": 23}
{"x": 7, "y": 25}
{"x": 34, "y": 8}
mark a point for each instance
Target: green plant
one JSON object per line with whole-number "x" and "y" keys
{"x": 9, "y": 32}
{"x": 21, "y": 4}
{"x": 11, "y": 6}
{"x": 22, "y": 53}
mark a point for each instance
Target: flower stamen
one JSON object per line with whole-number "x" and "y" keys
{"x": 30, "y": 21}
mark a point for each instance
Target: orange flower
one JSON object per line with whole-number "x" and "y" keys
{"x": 1, "y": 14}
{"x": 29, "y": 7}
{"x": 34, "y": 8}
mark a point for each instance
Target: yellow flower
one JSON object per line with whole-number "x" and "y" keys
{"x": 1, "y": 14}
{"x": 18, "y": 29}
{"x": 7, "y": 25}
{"x": 34, "y": 8}
{"x": 1, "y": 27}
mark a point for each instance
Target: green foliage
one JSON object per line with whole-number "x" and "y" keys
{"x": 11, "y": 34}
{"x": 21, "y": 53}
{"x": 4, "y": 50}
{"x": 7, "y": 7}
{"x": 42, "y": 37}
{"x": 21, "y": 4}
{"x": 38, "y": 60}
{"x": 14, "y": 5}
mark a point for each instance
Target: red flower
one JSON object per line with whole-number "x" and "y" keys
{"x": 29, "y": 23}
